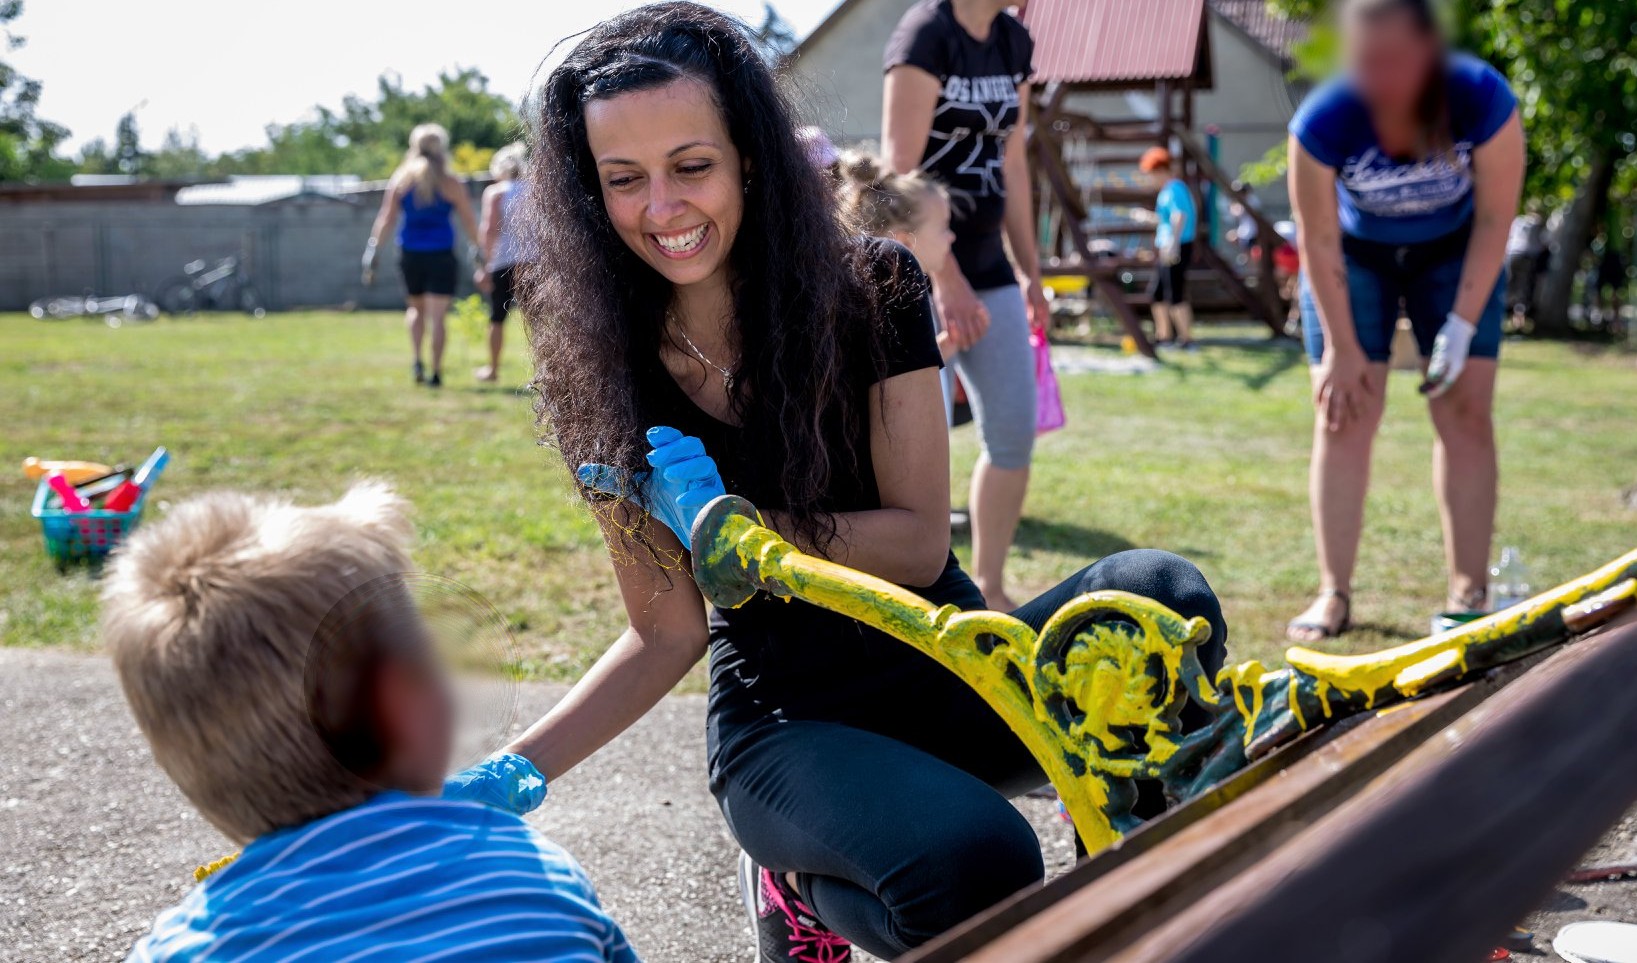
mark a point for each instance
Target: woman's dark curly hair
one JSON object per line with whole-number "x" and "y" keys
{"x": 801, "y": 289}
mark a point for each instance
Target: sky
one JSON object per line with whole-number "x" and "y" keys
{"x": 228, "y": 68}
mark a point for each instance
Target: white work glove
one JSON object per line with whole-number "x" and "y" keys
{"x": 368, "y": 264}
{"x": 1170, "y": 254}
{"x": 1449, "y": 353}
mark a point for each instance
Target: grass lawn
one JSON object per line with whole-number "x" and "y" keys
{"x": 1207, "y": 457}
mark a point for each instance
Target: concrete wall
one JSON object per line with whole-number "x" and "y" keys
{"x": 301, "y": 252}
{"x": 837, "y": 79}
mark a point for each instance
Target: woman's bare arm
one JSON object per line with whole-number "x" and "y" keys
{"x": 908, "y": 102}
{"x": 667, "y": 634}
{"x": 1343, "y": 381}
{"x": 1318, "y": 236}
{"x": 1497, "y": 185}
{"x": 906, "y": 540}
{"x": 387, "y": 217}
{"x": 1020, "y": 224}
{"x": 489, "y": 227}
{"x": 456, "y": 193}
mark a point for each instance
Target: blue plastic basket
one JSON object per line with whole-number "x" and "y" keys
{"x": 82, "y": 536}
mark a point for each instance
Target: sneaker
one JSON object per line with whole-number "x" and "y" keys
{"x": 420, "y": 373}
{"x": 786, "y": 930}
{"x": 436, "y": 381}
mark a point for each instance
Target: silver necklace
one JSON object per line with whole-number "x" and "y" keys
{"x": 726, "y": 373}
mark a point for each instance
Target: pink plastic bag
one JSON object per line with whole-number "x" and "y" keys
{"x": 1049, "y": 401}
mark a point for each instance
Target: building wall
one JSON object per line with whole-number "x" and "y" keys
{"x": 837, "y": 75}
{"x": 837, "y": 80}
{"x": 302, "y": 252}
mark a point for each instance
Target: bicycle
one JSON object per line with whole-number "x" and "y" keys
{"x": 222, "y": 286}
{"x": 114, "y": 311}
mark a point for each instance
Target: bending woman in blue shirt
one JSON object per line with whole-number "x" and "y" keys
{"x": 1405, "y": 173}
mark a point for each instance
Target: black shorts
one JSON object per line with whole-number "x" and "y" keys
{"x": 1171, "y": 281}
{"x": 428, "y": 272}
{"x": 501, "y": 300}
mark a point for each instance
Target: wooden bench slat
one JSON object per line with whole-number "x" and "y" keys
{"x": 1362, "y": 816}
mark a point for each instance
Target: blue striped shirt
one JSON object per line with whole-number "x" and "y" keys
{"x": 397, "y": 878}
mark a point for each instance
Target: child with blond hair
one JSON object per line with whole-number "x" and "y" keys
{"x": 912, "y": 209}
{"x": 274, "y": 660}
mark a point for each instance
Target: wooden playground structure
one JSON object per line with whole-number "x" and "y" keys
{"x": 1082, "y": 162}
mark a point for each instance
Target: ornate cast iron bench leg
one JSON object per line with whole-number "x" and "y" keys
{"x": 1096, "y": 695}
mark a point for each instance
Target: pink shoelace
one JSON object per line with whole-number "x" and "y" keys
{"x": 817, "y": 944}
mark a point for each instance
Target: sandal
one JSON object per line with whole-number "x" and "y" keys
{"x": 1305, "y": 631}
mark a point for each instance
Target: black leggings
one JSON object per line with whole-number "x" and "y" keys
{"x": 501, "y": 299}
{"x": 1171, "y": 280}
{"x": 891, "y": 844}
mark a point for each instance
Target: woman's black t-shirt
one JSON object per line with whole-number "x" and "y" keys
{"x": 773, "y": 658}
{"x": 976, "y": 112}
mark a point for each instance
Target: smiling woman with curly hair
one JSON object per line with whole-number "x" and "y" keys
{"x": 695, "y": 273}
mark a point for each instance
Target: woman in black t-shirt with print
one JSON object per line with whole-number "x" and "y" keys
{"x": 693, "y": 273}
{"x": 956, "y": 105}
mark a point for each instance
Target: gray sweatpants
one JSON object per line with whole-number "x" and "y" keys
{"x": 998, "y": 373}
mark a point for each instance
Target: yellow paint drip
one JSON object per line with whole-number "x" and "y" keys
{"x": 209, "y": 869}
{"x": 1245, "y": 677}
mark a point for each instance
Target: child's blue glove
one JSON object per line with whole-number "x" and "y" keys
{"x": 505, "y": 780}
{"x": 683, "y": 482}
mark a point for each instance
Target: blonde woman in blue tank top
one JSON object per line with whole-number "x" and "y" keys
{"x": 422, "y": 200}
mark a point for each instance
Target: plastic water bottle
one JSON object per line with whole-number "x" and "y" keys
{"x": 1508, "y": 580}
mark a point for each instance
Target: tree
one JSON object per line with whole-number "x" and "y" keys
{"x": 368, "y": 137}
{"x": 775, "y": 37}
{"x": 28, "y": 143}
{"x": 180, "y": 157}
{"x": 1574, "y": 66}
{"x": 129, "y": 157}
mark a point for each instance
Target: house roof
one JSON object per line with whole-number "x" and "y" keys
{"x": 1115, "y": 41}
{"x": 253, "y": 189}
{"x": 1275, "y": 34}
{"x": 96, "y": 188}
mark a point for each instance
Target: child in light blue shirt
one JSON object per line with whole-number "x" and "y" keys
{"x": 277, "y": 665}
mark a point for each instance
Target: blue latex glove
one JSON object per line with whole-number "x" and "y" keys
{"x": 505, "y": 780}
{"x": 683, "y": 481}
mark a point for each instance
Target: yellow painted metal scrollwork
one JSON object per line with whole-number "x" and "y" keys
{"x": 1096, "y": 695}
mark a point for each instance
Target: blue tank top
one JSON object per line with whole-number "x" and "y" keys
{"x": 427, "y": 227}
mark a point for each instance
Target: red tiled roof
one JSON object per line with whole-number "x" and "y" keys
{"x": 1109, "y": 41}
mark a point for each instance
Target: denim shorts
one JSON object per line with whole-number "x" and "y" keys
{"x": 1379, "y": 285}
